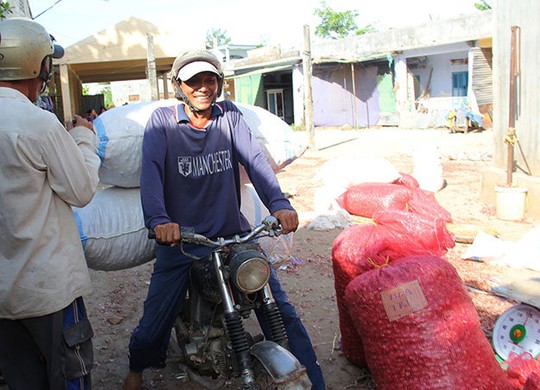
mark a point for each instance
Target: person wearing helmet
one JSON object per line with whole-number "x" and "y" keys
{"x": 45, "y": 336}
{"x": 190, "y": 176}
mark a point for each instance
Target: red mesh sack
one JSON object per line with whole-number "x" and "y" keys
{"x": 350, "y": 252}
{"x": 408, "y": 181}
{"x": 361, "y": 248}
{"x": 533, "y": 382}
{"x": 420, "y": 329}
{"x": 425, "y": 203}
{"x": 520, "y": 369}
{"x": 366, "y": 199}
{"x": 409, "y": 234}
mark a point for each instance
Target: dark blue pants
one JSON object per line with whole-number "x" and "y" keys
{"x": 34, "y": 353}
{"x": 168, "y": 287}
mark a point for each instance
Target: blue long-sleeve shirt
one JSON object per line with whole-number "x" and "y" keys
{"x": 191, "y": 176}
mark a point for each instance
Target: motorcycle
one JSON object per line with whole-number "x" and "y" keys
{"x": 225, "y": 287}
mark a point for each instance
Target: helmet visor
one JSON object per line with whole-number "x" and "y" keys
{"x": 58, "y": 50}
{"x": 194, "y": 68}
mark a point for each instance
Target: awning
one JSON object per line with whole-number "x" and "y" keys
{"x": 262, "y": 70}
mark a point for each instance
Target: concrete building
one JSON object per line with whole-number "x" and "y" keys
{"x": 412, "y": 77}
{"x": 518, "y": 165}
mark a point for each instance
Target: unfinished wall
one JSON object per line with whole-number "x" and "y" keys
{"x": 508, "y": 14}
{"x": 525, "y": 15}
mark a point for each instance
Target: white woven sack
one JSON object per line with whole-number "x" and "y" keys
{"x": 344, "y": 173}
{"x": 275, "y": 136}
{"x": 277, "y": 249}
{"x": 121, "y": 129}
{"x": 251, "y": 205}
{"x": 114, "y": 237}
{"x": 112, "y": 230}
{"x": 428, "y": 168}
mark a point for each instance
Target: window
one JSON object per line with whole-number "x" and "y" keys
{"x": 460, "y": 82}
{"x": 274, "y": 99}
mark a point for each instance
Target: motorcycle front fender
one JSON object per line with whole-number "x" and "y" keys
{"x": 281, "y": 365}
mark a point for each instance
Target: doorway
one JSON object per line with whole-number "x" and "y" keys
{"x": 274, "y": 101}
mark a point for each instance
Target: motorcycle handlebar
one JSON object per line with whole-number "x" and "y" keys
{"x": 269, "y": 224}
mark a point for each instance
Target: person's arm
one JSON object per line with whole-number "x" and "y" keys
{"x": 72, "y": 162}
{"x": 154, "y": 149}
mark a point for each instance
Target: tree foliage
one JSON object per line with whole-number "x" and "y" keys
{"x": 216, "y": 37}
{"x": 5, "y": 9}
{"x": 365, "y": 30}
{"x": 483, "y": 5}
{"x": 336, "y": 24}
{"x": 107, "y": 95}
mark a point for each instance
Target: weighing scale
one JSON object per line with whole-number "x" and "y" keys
{"x": 517, "y": 330}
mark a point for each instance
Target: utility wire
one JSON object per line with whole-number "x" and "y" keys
{"x": 42, "y": 12}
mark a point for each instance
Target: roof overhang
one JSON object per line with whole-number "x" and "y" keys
{"x": 264, "y": 67}
{"x": 121, "y": 52}
{"x": 97, "y": 72}
{"x": 347, "y": 60}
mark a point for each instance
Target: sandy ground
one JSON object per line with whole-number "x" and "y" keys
{"x": 116, "y": 304}
{"x": 117, "y": 301}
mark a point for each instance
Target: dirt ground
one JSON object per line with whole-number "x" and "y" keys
{"x": 116, "y": 304}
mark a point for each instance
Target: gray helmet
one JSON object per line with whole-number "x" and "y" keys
{"x": 190, "y": 63}
{"x": 23, "y": 46}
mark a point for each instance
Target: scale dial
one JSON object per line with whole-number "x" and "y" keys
{"x": 517, "y": 330}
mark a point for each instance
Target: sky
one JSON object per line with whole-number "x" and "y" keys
{"x": 272, "y": 22}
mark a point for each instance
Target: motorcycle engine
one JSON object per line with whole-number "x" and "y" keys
{"x": 203, "y": 276}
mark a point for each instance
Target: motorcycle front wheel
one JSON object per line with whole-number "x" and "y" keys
{"x": 265, "y": 381}
{"x": 277, "y": 369}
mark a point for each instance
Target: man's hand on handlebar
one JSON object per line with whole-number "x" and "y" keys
{"x": 167, "y": 234}
{"x": 288, "y": 220}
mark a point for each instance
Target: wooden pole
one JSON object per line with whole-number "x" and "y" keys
{"x": 353, "y": 75}
{"x": 512, "y": 108}
{"x": 308, "y": 95}
{"x": 151, "y": 72}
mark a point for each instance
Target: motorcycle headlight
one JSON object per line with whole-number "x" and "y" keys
{"x": 250, "y": 270}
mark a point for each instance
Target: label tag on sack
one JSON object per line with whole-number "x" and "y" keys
{"x": 403, "y": 300}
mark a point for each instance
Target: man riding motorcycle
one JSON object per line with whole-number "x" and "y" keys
{"x": 190, "y": 177}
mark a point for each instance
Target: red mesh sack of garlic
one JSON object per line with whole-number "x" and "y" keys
{"x": 420, "y": 329}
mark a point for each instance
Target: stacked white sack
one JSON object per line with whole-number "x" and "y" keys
{"x": 121, "y": 129}
{"x": 112, "y": 230}
{"x": 114, "y": 237}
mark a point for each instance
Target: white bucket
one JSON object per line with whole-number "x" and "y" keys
{"x": 510, "y": 202}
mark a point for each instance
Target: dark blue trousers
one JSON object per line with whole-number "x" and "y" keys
{"x": 168, "y": 287}
{"x": 34, "y": 354}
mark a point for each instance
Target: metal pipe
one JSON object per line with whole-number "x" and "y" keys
{"x": 512, "y": 107}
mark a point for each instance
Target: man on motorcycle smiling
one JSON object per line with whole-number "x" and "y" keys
{"x": 190, "y": 176}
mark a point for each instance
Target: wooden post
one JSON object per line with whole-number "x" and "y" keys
{"x": 165, "y": 86}
{"x": 308, "y": 96}
{"x": 151, "y": 72}
{"x": 353, "y": 75}
{"x": 66, "y": 92}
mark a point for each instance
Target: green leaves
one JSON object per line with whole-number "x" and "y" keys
{"x": 336, "y": 24}
{"x": 216, "y": 37}
{"x": 483, "y": 5}
{"x": 5, "y": 9}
